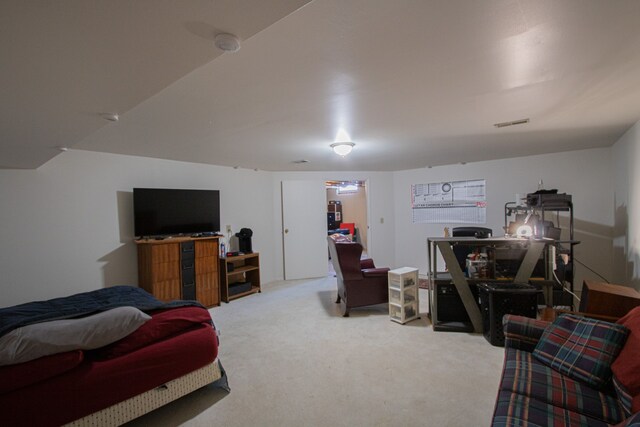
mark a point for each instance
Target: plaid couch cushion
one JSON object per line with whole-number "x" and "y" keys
{"x": 522, "y": 332}
{"x": 524, "y": 375}
{"x": 513, "y": 409}
{"x": 581, "y": 348}
{"x": 624, "y": 396}
{"x": 633, "y": 421}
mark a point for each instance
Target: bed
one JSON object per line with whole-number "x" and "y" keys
{"x": 102, "y": 357}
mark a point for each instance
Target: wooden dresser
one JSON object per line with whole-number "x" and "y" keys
{"x": 608, "y": 299}
{"x": 180, "y": 268}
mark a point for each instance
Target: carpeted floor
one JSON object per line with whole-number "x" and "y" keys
{"x": 292, "y": 360}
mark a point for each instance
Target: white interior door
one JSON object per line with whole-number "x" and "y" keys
{"x": 304, "y": 229}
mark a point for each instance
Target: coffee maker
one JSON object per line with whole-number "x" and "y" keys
{"x": 244, "y": 240}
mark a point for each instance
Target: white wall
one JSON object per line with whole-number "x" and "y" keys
{"x": 626, "y": 165}
{"x": 67, "y": 227}
{"x": 586, "y": 175}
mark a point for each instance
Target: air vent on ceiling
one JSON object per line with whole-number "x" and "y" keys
{"x": 300, "y": 161}
{"x": 513, "y": 123}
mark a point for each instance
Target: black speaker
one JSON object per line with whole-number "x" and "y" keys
{"x": 451, "y": 314}
{"x": 332, "y": 224}
{"x": 450, "y": 307}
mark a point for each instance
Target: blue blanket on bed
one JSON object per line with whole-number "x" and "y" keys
{"x": 83, "y": 304}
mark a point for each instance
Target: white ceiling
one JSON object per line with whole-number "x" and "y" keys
{"x": 415, "y": 83}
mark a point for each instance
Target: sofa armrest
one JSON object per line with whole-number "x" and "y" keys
{"x": 522, "y": 333}
{"x": 375, "y": 272}
{"x": 612, "y": 319}
{"x": 367, "y": 263}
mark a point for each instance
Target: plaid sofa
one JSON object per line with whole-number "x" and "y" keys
{"x": 533, "y": 394}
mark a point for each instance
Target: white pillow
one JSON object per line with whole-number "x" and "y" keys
{"x": 57, "y": 336}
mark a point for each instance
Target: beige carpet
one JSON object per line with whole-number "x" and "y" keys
{"x": 293, "y": 361}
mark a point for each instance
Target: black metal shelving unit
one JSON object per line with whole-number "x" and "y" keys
{"x": 541, "y": 205}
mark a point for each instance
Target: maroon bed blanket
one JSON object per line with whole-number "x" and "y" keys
{"x": 57, "y": 389}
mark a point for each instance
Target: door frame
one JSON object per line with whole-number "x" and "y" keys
{"x": 367, "y": 206}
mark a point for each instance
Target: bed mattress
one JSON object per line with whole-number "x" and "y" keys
{"x": 141, "y": 404}
{"x": 99, "y": 384}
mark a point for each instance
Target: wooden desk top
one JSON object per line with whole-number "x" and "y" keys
{"x": 610, "y": 288}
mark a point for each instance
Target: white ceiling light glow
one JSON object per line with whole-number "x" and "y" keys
{"x": 342, "y": 148}
{"x": 343, "y": 144}
{"x": 348, "y": 188}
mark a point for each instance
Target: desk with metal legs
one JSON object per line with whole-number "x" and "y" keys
{"x": 534, "y": 249}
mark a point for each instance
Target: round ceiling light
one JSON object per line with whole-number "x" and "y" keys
{"x": 227, "y": 42}
{"x": 342, "y": 148}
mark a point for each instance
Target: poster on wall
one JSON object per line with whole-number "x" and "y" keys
{"x": 462, "y": 202}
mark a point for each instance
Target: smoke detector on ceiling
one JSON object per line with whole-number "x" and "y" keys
{"x": 227, "y": 42}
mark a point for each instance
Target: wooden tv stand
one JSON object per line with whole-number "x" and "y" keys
{"x": 180, "y": 268}
{"x": 239, "y": 271}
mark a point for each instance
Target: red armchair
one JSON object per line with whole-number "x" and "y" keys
{"x": 360, "y": 283}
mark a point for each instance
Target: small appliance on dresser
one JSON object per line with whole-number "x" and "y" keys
{"x": 244, "y": 240}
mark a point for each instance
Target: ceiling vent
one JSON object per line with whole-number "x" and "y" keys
{"x": 111, "y": 117}
{"x": 513, "y": 123}
{"x": 301, "y": 161}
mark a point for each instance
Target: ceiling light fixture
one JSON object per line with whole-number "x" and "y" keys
{"x": 227, "y": 42}
{"x": 342, "y": 148}
{"x": 347, "y": 188}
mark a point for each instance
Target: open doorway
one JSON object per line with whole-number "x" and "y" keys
{"x": 347, "y": 210}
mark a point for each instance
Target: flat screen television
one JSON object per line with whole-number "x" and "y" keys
{"x": 162, "y": 212}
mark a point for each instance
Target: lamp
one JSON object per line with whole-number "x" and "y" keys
{"x": 342, "y": 148}
{"x": 526, "y": 230}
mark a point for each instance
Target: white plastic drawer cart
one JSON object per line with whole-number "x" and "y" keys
{"x": 403, "y": 295}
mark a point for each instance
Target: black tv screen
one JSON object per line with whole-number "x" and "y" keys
{"x": 161, "y": 212}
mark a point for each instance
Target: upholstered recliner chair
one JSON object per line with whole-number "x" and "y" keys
{"x": 360, "y": 283}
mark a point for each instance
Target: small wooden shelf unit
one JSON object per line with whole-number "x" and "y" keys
{"x": 239, "y": 271}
